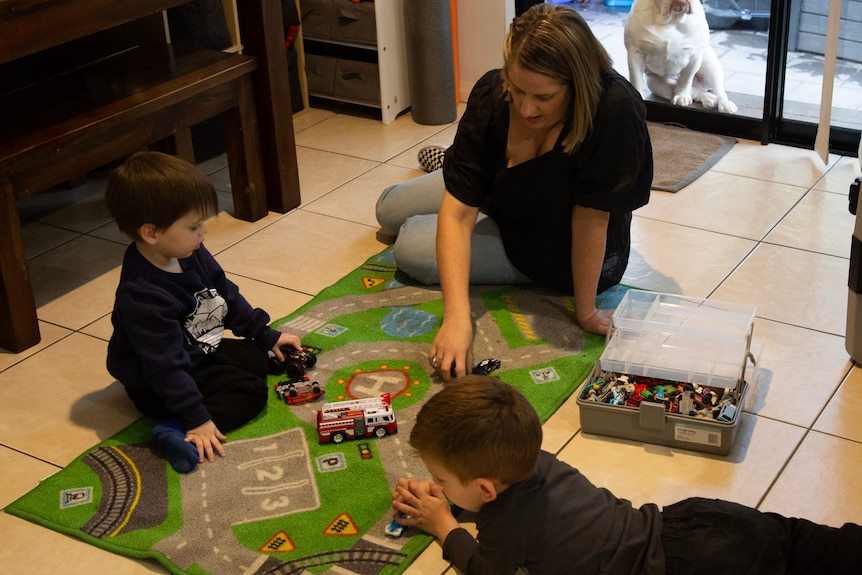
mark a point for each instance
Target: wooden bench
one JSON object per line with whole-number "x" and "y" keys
{"x": 59, "y": 122}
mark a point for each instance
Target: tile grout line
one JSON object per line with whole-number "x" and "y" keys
{"x": 805, "y": 435}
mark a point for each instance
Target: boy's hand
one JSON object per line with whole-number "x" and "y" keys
{"x": 285, "y": 339}
{"x": 425, "y": 507}
{"x": 207, "y": 439}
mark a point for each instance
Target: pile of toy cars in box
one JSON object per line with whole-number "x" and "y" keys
{"x": 672, "y": 372}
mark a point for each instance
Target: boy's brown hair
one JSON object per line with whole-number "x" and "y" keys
{"x": 158, "y": 189}
{"x": 478, "y": 426}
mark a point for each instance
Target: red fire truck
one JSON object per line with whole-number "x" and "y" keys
{"x": 371, "y": 416}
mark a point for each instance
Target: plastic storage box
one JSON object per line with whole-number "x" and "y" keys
{"x": 676, "y": 343}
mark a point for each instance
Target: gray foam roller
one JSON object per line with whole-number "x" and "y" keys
{"x": 430, "y": 58}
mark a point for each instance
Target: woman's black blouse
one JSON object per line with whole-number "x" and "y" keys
{"x": 532, "y": 202}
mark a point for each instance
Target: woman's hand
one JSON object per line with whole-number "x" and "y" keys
{"x": 453, "y": 348}
{"x": 598, "y": 322}
{"x": 453, "y": 343}
{"x": 589, "y": 234}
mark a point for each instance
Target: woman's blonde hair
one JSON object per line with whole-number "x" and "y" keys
{"x": 554, "y": 40}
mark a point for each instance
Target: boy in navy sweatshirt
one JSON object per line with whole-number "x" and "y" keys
{"x": 172, "y": 306}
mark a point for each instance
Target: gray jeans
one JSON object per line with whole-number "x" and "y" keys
{"x": 409, "y": 210}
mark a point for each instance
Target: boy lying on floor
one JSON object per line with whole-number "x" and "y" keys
{"x": 481, "y": 441}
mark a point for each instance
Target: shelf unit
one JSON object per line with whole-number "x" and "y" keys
{"x": 356, "y": 52}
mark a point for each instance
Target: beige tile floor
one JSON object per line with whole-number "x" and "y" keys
{"x": 768, "y": 225}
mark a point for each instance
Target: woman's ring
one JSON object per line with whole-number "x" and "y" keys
{"x": 435, "y": 362}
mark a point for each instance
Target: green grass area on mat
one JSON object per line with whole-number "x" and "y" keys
{"x": 280, "y": 498}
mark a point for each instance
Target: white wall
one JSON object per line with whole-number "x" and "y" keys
{"x": 482, "y": 27}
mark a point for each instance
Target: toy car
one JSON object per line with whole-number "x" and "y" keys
{"x": 367, "y": 417}
{"x": 296, "y": 361}
{"x": 298, "y": 391}
{"x": 395, "y": 529}
{"x": 365, "y": 451}
{"x": 486, "y": 366}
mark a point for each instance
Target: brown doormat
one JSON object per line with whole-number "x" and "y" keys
{"x": 680, "y": 155}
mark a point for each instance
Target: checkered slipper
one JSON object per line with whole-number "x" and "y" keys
{"x": 431, "y": 157}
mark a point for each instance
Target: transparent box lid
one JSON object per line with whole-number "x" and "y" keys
{"x": 679, "y": 338}
{"x": 679, "y": 315}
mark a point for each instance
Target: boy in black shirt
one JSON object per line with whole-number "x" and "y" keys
{"x": 481, "y": 441}
{"x": 172, "y": 307}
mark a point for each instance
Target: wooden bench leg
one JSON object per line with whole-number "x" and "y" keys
{"x": 19, "y": 328}
{"x": 244, "y": 158}
{"x": 180, "y": 145}
{"x": 262, "y": 35}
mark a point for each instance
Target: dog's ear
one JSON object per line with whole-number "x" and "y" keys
{"x": 663, "y": 7}
{"x": 684, "y": 5}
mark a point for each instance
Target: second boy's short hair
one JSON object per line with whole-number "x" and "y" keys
{"x": 479, "y": 426}
{"x": 158, "y": 189}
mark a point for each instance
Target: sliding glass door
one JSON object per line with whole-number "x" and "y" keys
{"x": 772, "y": 58}
{"x": 806, "y": 46}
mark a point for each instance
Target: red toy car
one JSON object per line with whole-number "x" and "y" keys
{"x": 298, "y": 391}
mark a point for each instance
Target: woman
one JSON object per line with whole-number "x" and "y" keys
{"x": 550, "y": 158}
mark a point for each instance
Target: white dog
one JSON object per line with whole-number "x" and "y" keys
{"x": 668, "y": 41}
